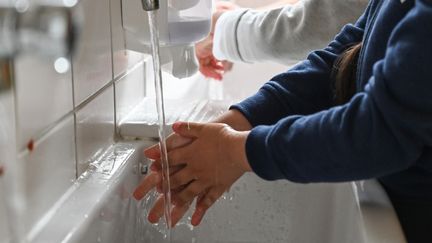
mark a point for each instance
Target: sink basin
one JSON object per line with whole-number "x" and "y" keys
{"x": 100, "y": 208}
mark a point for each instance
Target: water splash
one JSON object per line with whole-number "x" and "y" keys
{"x": 145, "y": 232}
{"x": 154, "y": 33}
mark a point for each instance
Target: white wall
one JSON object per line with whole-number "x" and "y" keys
{"x": 261, "y": 3}
{"x": 70, "y": 118}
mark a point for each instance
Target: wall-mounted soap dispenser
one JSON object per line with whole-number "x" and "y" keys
{"x": 181, "y": 24}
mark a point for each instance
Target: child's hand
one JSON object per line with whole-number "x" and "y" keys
{"x": 209, "y": 65}
{"x": 154, "y": 178}
{"x": 209, "y": 165}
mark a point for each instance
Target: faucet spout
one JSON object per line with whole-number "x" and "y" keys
{"x": 150, "y": 5}
{"x": 48, "y": 30}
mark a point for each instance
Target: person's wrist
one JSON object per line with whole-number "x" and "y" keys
{"x": 221, "y": 8}
{"x": 216, "y": 17}
{"x": 234, "y": 119}
{"x": 237, "y": 150}
{"x": 218, "y": 13}
{"x": 242, "y": 155}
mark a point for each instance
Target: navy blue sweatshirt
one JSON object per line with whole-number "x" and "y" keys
{"x": 384, "y": 131}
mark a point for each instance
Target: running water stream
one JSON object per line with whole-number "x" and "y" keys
{"x": 154, "y": 33}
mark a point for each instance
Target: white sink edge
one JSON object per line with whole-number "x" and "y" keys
{"x": 380, "y": 221}
{"x": 77, "y": 205}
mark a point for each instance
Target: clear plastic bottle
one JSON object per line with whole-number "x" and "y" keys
{"x": 180, "y": 22}
{"x": 188, "y": 20}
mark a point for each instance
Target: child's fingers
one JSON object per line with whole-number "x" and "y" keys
{"x": 149, "y": 182}
{"x": 173, "y": 171}
{"x": 172, "y": 142}
{"x": 152, "y": 152}
{"x": 180, "y": 178}
{"x": 210, "y": 72}
{"x": 175, "y": 141}
{"x": 156, "y": 166}
{"x": 188, "y": 129}
{"x": 177, "y": 213}
{"x": 204, "y": 203}
{"x": 217, "y": 65}
{"x": 188, "y": 194}
{"x": 157, "y": 211}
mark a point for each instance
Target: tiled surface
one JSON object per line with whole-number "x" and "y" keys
{"x": 7, "y": 121}
{"x": 49, "y": 170}
{"x": 122, "y": 58}
{"x": 4, "y": 234}
{"x": 43, "y": 96}
{"x": 92, "y": 67}
{"x": 129, "y": 92}
{"x": 94, "y": 128}
{"x": 5, "y": 154}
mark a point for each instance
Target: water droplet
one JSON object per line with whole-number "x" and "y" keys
{"x": 70, "y": 3}
{"x": 61, "y": 65}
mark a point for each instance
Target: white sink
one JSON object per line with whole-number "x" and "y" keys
{"x": 142, "y": 121}
{"x": 100, "y": 208}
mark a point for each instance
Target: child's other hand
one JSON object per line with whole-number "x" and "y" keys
{"x": 209, "y": 65}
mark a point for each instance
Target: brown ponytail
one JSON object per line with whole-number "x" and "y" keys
{"x": 344, "y": 74}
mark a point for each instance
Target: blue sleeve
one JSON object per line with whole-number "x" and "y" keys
{"x": 304, "y": 89}
{"x": 381, "y": 130}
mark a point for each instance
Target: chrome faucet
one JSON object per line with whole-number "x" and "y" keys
{"x": 48, "y": 29}
{"x": 150, "y": 5}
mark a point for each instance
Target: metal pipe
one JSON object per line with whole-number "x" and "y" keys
{"x": 150, "y": 5}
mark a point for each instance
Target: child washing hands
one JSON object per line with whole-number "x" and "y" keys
{"x": 359, "y": 109}
{"x": 205, "y": 160}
